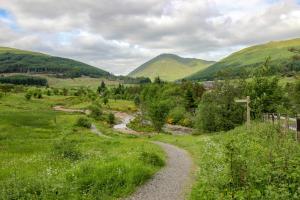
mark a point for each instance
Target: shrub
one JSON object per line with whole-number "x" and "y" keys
{"x": 158, "y": 112}
{"x": 83, "y": 122}
{"x": 67, "y": 149}
{"x": 177, "y": 114}
{"x": 28, "y": 95}
{"x": 96, "y": 111}
{"x": 111, "y": 118}
{"x": 151, "y": 159}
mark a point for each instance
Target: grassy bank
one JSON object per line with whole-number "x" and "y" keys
{"x": 260, "y": 163}
{"x": 44, "y": 155}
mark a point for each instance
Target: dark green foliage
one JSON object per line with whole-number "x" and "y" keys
{"x": 218, "y": 110}
{"x": 158, "y": 112}
{"x": 102, "y": 88}
{"x": 105, "y": 100}
{"x": 28, "y": 95}
{"x": 24, "y": 80}
{"x": 111, "y": 118}
{"x": 266, "y": 96}
{"x": 67, "y": 149}
{"x": 295, "y": 96}
{"x": 96, "y": 111}
{"x": 83, "y": 122}
{"x": 177, "y": 114}
{"x": 39, "y": 63}
{"x": 137, "y": 100}
{"x": 151, "y": 159}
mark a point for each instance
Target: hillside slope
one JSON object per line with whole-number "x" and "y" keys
{"x": 170, "y": 67}
{"x": 282, "y": 60}
{"x": 20, "y": 61}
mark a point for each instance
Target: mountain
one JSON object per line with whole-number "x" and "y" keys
{"x": 21, "y": 61}
{"x": 284, "y": 58}
{"x": 170, "y": 67}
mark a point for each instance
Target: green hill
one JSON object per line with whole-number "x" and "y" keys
{"x": 170, "y": 67}
{"x": 20, "y": 61}
{"x": 284, "y": 59}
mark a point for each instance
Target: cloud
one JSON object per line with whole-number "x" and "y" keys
{"x": 119, "y": 35}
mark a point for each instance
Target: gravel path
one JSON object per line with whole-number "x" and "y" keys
{"x": 170, "y": 183}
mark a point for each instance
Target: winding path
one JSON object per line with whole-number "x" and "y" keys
{"x": 172, "y": 182}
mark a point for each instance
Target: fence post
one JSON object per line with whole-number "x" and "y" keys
{"x": 279, "y": 120}
{"x": 273, "y": 118}
{"x": 287, "y": 123}
{"x": 298, "y": 128}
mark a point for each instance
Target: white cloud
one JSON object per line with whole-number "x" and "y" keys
{"x": 119, "y": 35}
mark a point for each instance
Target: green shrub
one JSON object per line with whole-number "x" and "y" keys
{"x": 28, "y": 95}
{"x": 177, "y": 114}
{"x": 151, "y": 159}
{"x": 96, "y": 111}
{"x": 67, "y": 149}
{"x": 111, "y": 118}
{"x": 83, "y": 122}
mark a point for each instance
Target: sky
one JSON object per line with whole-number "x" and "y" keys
{"x": 120, "y": 35}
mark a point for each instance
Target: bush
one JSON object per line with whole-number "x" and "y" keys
{"x": 67, "y": 149}
{"x": 111, "y": 118}
{"x": 177, "y": 114}
{"x": 158, "y": 112}
{"x": 83, "y": 122}
{"x": 151, "y": 159}
{"x": 96, "y": 111}
{"x": 28, "y": 96}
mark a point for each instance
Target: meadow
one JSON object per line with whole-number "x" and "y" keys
{"x": 45, "y": 155}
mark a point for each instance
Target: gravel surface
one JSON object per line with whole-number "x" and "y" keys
{"x": 172, "y": 182}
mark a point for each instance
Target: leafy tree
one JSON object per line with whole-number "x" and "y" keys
{"x": 157, "y": 80}
{"x": 266, "y": 96}
{"x": 218, "y": 110}
{"x": 158, "y": 112}
{"x": 105, "y": 100}
{"x": 190, "y": 103}
{"x": 102, "y": 88}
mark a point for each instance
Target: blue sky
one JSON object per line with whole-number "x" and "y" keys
{"x": 120, "y": 35}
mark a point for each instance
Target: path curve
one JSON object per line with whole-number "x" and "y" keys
{"x": 173, "y": 181}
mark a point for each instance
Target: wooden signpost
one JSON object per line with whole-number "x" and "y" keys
{"x": 247, "y": 101}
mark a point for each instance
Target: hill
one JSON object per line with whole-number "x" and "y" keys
{"x": 284, "y": 59}
{"x": 170, "y": 67}
{"x": 20, "y": 61}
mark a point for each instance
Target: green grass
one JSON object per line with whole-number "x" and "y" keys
{"x": 43, "y": 155}
{"x": 170, "y": 67}
{"x": 260, "y": 163}
{"x": 251, "y": 57}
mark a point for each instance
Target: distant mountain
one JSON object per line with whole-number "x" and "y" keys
{"x": 20, "y": 61}
{"x": 284, "y": 58}
{"x": 170, "y": 67}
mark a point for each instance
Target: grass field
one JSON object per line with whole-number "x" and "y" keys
{"x": 43, "y": 155}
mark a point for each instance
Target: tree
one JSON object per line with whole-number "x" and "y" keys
{"x": 105, "y": 100}
{"x": 218, "y": 110}
{"x": 158, "y": 112}
{"x": 102, "y": 88}
{"x": 157, "y": 80}
{"x": 266, "y": 96}
{"x": 190, "y": 103}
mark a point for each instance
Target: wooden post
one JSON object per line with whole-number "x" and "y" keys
{"x": 278, "y": 120}
{"x": 298, "y": 128}
{"x": 248, "y": 112}
{"x": 273, "y": 118}
{"x": 247, "y": 101}
{"x": 287, "y": 123}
